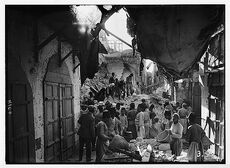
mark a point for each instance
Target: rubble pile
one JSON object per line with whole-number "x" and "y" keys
{"x": 99, "y": 81}
{"x": 151, "y": 148}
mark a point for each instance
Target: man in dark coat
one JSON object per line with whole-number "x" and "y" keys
{"x": 86, "y": 133}
{"x": 195, "y": 135}
{"x": 112, "y": 85}
{"x": 131, "y": 120}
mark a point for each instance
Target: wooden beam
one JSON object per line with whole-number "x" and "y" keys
{"x": 45, "y": 42}
{"x": 59, "y": 51}
{"x": 50, "y": 38}
{"x": 105, "y": 16}
{"x": 63, "y": 59}
{"x": 76, "y": 67}
{"x": 116, "y": 37}
{"x": 35, "y": 39}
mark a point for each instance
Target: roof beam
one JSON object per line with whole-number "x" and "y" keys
{"x": 67, "y": 55}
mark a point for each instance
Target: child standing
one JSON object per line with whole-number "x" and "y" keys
{"x": 123, "y": 120}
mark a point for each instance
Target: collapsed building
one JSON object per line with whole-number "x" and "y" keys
{"x": 48, "y": 58}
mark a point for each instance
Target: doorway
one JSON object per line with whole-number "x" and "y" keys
{"x": 20, "y": 141}
{"x": 58, "y": 113}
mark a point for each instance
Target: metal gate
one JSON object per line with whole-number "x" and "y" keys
{"x": 59, "y": 121}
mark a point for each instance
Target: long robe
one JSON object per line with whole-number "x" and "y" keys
{"x": 131, "y": 122}
{"x": 146, "y": 123}
{"x": 140, "y": 127}
{"x": 113, "y": 127}
{"x": 183, "y": 113}
{"x": 103, "y": 137}
{"x": 175, "y": 143}
{"x": 194, "y": 136}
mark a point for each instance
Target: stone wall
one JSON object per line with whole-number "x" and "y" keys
{"x": 20, "y": 41}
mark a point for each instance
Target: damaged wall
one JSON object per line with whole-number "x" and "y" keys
{"x": 123, "y": 64}
{"x": 20, "y": 43}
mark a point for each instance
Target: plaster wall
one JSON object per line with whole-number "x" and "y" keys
{"x": 21, "y": 46}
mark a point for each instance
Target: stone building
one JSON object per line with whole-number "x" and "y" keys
{"x": 43, "y": 89}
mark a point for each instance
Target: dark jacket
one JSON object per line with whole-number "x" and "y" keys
{"x": 87, "y": 128}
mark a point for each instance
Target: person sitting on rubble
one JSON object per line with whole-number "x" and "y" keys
{"x": 102, "y": 136}
{"x": 131, "y": 120}
{"x": 123, "y": 121}
{"x": 194, "y": 136}
{"x": 176, "y": 135}
{"x": 139, "y": 121}
{"x": 183, "y": 113}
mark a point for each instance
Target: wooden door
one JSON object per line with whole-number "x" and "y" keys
{"x": 20, "y": 142}
{"x": 59, "y": 121}
{"x": 52, "y": 122}
{"x": 67, "y": 121}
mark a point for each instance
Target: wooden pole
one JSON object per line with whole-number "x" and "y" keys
{"x": 116, "y": 37}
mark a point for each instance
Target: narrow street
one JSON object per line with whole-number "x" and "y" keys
{"x": 92, "y": 84}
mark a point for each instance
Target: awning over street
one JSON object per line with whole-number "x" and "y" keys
{"x": 174, "y": 36}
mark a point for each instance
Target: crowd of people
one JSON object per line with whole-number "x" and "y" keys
{"x": 120, "y": 88}
{"x": 100, "y": 122}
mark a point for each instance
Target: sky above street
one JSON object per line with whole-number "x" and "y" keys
{"x": 117, "y": 25}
